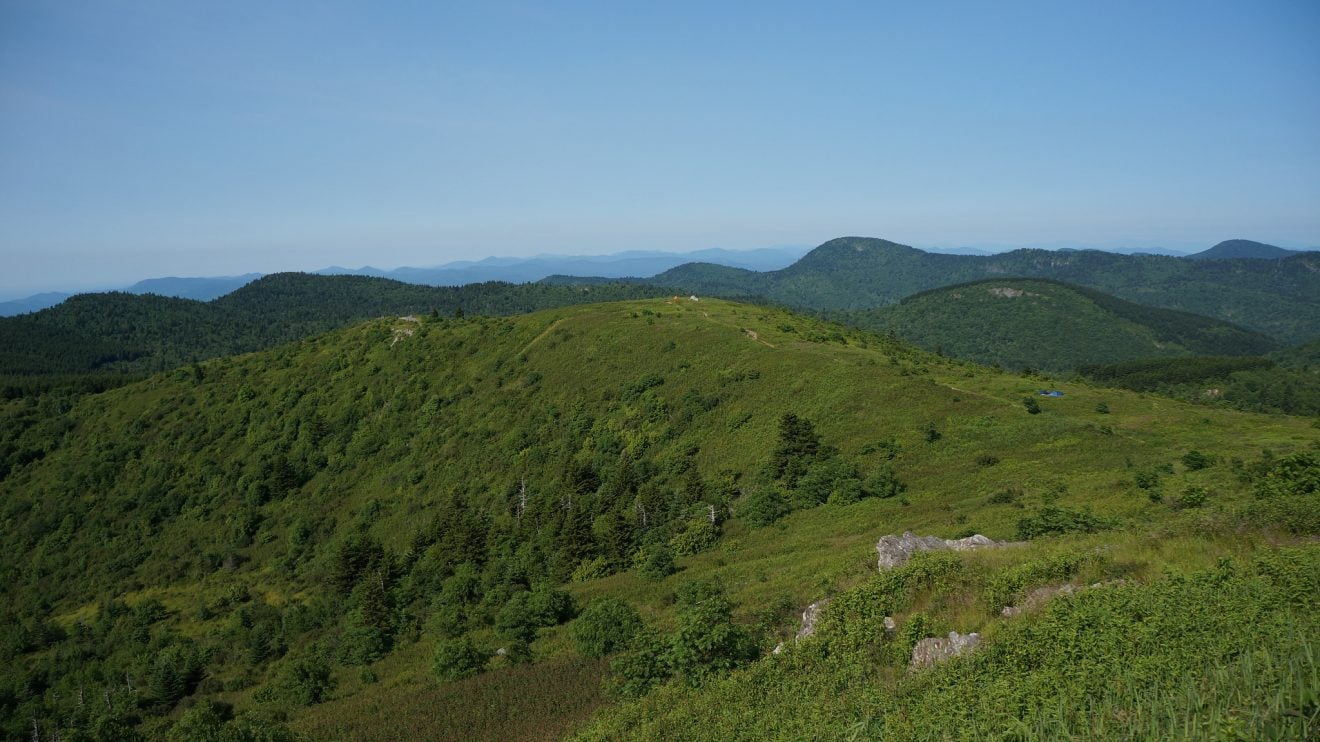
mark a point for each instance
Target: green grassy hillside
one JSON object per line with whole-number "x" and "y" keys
{"x": 1276, "y": 297}
{"x": 1034, "y": 323}
{"x": 327, "y": 538}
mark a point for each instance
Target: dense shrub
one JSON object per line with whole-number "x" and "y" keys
{"x": 640, "y": 667}
{"x": 1298, "y": 474}
{"x": 1052, "y": 519}
{"x": 699, "y": 534}
{"x": 706, "y": 641}
{"x": 1192, "y": 497}
{"x": 884, "y": 483}
{"x": 304, "y": 682}
{"x": 457, "y": 658}
{"x": 763, "y": 506}
{"x": 1194, "y": 460}
{"x": 655, "y": 561}
{"x": 605, "y": 626}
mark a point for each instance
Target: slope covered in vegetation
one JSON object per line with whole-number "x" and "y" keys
{"x": 334, "y": 536}
{"x": 1035, "y": 323}
{"x": 1261, "y": 384}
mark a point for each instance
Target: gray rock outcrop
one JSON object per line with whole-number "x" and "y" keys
{"x": 894, "y": 551}
{"x": 810, "y": 615}
{"x": 809, "y": 618}
{"x": 932, "y": 651}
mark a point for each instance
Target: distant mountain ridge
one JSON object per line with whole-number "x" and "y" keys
{"x": 34, "y": 303}
{"x": 1280, "y": 298}
{"x": 628, "y": 264}
{"x": 200, "y": 289}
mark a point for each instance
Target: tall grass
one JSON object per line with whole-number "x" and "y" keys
{"x": 1267, "y": 692}
{"x": 524, "y": 702}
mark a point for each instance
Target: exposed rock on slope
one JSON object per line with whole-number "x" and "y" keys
{"x": 809, "y": 618}
{"x": 810, "y": 615}
{"x": 932, "y": 651}
{"x": 896, "y": 550}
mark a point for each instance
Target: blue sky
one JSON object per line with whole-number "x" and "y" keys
{"x": 175, "y": 138}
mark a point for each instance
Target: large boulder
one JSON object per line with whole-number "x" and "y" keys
{"x": 932, "y": 651}
{"x": 896, "y": 550}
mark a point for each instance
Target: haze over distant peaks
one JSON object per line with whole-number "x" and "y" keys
{"x": 201, "y": 289}
{"x": 628, "y": 264}
{"x": 34, "y": 303}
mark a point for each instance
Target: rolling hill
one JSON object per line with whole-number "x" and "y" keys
{"x": 332, "y": 537}
{"x": 1045, "y": 324}
{"x": 1280, "y": 298}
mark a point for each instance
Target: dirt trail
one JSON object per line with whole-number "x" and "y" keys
{"x": 979, "y": 394}
{"x": 537, "y": 339}
{"x": 749, "y": 333}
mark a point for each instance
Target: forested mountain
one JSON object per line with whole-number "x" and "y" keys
{"x": 1280, "y": 298}
{"x": 1043, "y": 324}
{"x": 1237, "y": 249}
{"x": 1040, "y": 324}
{"x": 119, "y": 332}
{"x": 333, "y": 537}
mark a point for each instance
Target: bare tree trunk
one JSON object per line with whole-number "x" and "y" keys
{"x": 522, "y": 498}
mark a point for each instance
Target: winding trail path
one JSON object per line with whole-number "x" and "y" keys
{"x": 537, "y": 339}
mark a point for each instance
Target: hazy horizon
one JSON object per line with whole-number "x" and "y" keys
{"x": 155, "y": 139}
{"x": 14, "y": 294}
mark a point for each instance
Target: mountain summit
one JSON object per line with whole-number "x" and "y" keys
{"x": 1234, "y": 249}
